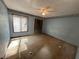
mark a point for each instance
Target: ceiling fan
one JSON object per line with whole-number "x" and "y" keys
{"x": 45, "y": 10}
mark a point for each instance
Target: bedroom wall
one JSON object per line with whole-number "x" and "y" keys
{"x": 64, "y": 28}
{"x": 4, "y": 29}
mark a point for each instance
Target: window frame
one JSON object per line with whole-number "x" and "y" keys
{"x": 23, "y": 15}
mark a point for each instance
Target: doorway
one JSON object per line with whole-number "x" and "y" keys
{"x": 38, "y": 26}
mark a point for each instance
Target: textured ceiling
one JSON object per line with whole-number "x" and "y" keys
{"x": 61, "y": 7}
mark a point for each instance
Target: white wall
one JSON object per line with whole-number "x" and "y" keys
{"x": 4, "y": 29}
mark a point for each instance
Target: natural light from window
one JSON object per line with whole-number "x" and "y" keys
{"x": 19, "y": 23}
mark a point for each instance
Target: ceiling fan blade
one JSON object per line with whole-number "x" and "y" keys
{"x": 51, "y": 11}
{"x": 48, "y": 7}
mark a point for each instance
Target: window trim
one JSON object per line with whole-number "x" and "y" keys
{"x": 19, "y": 14}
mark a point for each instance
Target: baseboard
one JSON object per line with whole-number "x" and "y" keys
{"x": 61, "y": 40}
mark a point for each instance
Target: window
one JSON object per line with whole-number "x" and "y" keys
{"x": 19, "y": 23}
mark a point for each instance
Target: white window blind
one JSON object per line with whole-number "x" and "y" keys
{"x": 19, "y": 23}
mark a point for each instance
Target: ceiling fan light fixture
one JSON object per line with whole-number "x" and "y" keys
{"x": 43, "y": 13}
{"x": 45, "y": 10}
